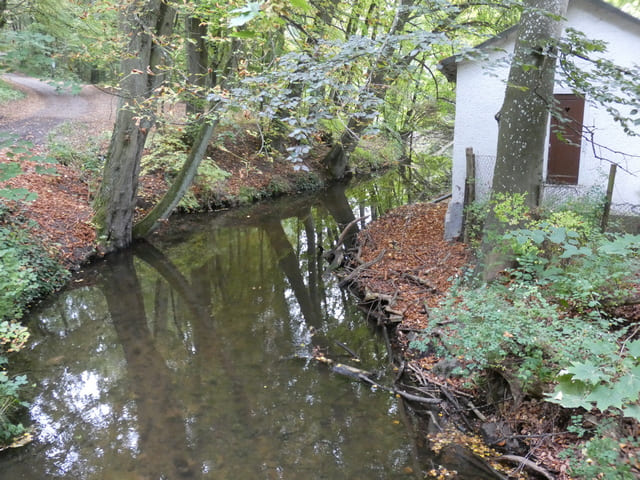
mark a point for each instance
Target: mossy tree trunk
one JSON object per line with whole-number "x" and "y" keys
{"x": 146, "y": 25}
{"x": 180, "y": 184}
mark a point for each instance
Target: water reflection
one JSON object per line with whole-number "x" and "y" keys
{"x": 190, "y": 358}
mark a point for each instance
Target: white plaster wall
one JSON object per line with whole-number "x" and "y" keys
{"x": 623, "y": 38}
{"x": 480, "y": 95}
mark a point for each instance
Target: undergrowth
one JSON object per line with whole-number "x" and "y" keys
{"x": 168, "y": 152}
{"x": 546, "y": 322}
{"x": 8, "y": 93}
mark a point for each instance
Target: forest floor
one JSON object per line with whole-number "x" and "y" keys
{"x": 410, "y": 262}
{"x": 62, "y": 210}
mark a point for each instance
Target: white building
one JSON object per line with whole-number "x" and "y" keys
{"x": 480, "y": 88}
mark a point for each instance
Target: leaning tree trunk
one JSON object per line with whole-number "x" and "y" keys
{"x": 524, "y": 116}
{"x": 182, "y": 181}
{"x": 145, "y": 25}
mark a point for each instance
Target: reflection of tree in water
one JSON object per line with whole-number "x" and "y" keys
{"x": 288, "y": 260}
{"x": 210, "y": 374}
{"x": 160, "y": 424}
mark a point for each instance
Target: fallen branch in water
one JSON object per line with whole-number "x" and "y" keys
{"x": 365, "y": 376}
{"x": 346, "y": 229}
{"x": 353, "y": 354}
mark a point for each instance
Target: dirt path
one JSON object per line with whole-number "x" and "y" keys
{"x": 44, "y": 108}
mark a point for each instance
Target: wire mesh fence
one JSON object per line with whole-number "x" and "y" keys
{"x": 552, "y": 194}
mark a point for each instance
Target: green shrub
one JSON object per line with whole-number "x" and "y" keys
{"x": 375, "y": 152}
{"x": 203, "y": 192}
{"x": 512, "y": 325}
{"x": 168, "y": 151}
{"x": 278, "y": 186}
{"x": 12, "y": 339}
{"x": 601, "y": 456}
{"x": 29, "y": 272}
{"x": 307, "y": 181}
{"x": 547, "y": 313}
{"x": 248, "y": 195}
{"x": 609, "y": 380}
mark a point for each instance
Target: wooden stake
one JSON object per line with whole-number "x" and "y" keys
{"x": 469, "y": 189}
{"x": 607, "y": 202}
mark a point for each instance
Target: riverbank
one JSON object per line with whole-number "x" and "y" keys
{"x": 410, "y": 270}
{"x": 402, "y": 271}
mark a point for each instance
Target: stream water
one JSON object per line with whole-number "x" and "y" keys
{"x": 191, "y": 357}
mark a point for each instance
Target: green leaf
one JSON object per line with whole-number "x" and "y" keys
{"x": 9, "y": 170}
{"x": 572, "y": 250}
{"x": 633, "y": 349}
{"x": 621, "y": 245}
{"x": 537, "y": 236}
{"x": 302, "y": 5}
{"x": 587, "y": 372}
{"x": 244, "y": 34}
{"x": 629, "y": 384}
{"x": 570, "y": 393}
{"x": 602, "y": 348}
{"x": 632, "y": 411}
{"x": 46, "y": 170}
{"x": 18, "y": 194}
{"x": 558, "y": 235}
{"x": 42, "y": 159}
{"x": 605, "y": 397}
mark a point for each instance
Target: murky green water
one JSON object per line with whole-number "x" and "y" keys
{"x": 191, "y": 357}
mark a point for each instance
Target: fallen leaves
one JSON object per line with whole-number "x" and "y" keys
{"x": 61, "y": 212}
{"x": 419, "y": 265}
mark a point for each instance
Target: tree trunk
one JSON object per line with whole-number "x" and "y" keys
{"x": 525, "y": 113}
{"x": 3, "y": 8}
{"x": 383, "y": 74}
{"x": 179, "y": 186}
{"x": 114, "y": 206}
{"x": 197, "y": 52}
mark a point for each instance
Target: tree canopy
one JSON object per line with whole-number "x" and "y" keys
{"x": 305, "y": 71}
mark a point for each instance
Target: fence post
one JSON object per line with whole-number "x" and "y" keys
{"x": 469, "y": 190}
{"x": 607, "y": 202}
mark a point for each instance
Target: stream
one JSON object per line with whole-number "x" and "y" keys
{"x": 191, "y": 356}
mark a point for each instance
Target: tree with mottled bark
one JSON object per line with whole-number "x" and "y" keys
{"x": 524, "y": 115}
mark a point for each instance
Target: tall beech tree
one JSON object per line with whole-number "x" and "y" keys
{"x": 147, "y": 24}
{"x": 382, "y": 73}
{"x": 524, "y": 114}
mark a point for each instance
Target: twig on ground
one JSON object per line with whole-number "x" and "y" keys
{"x": 358, "y": 270}
{"x": 525, "y": 463}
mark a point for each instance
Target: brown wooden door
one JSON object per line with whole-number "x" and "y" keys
{"x": 564, "y": 151}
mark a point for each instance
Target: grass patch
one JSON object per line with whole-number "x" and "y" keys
{"x": 8, "y": 93}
